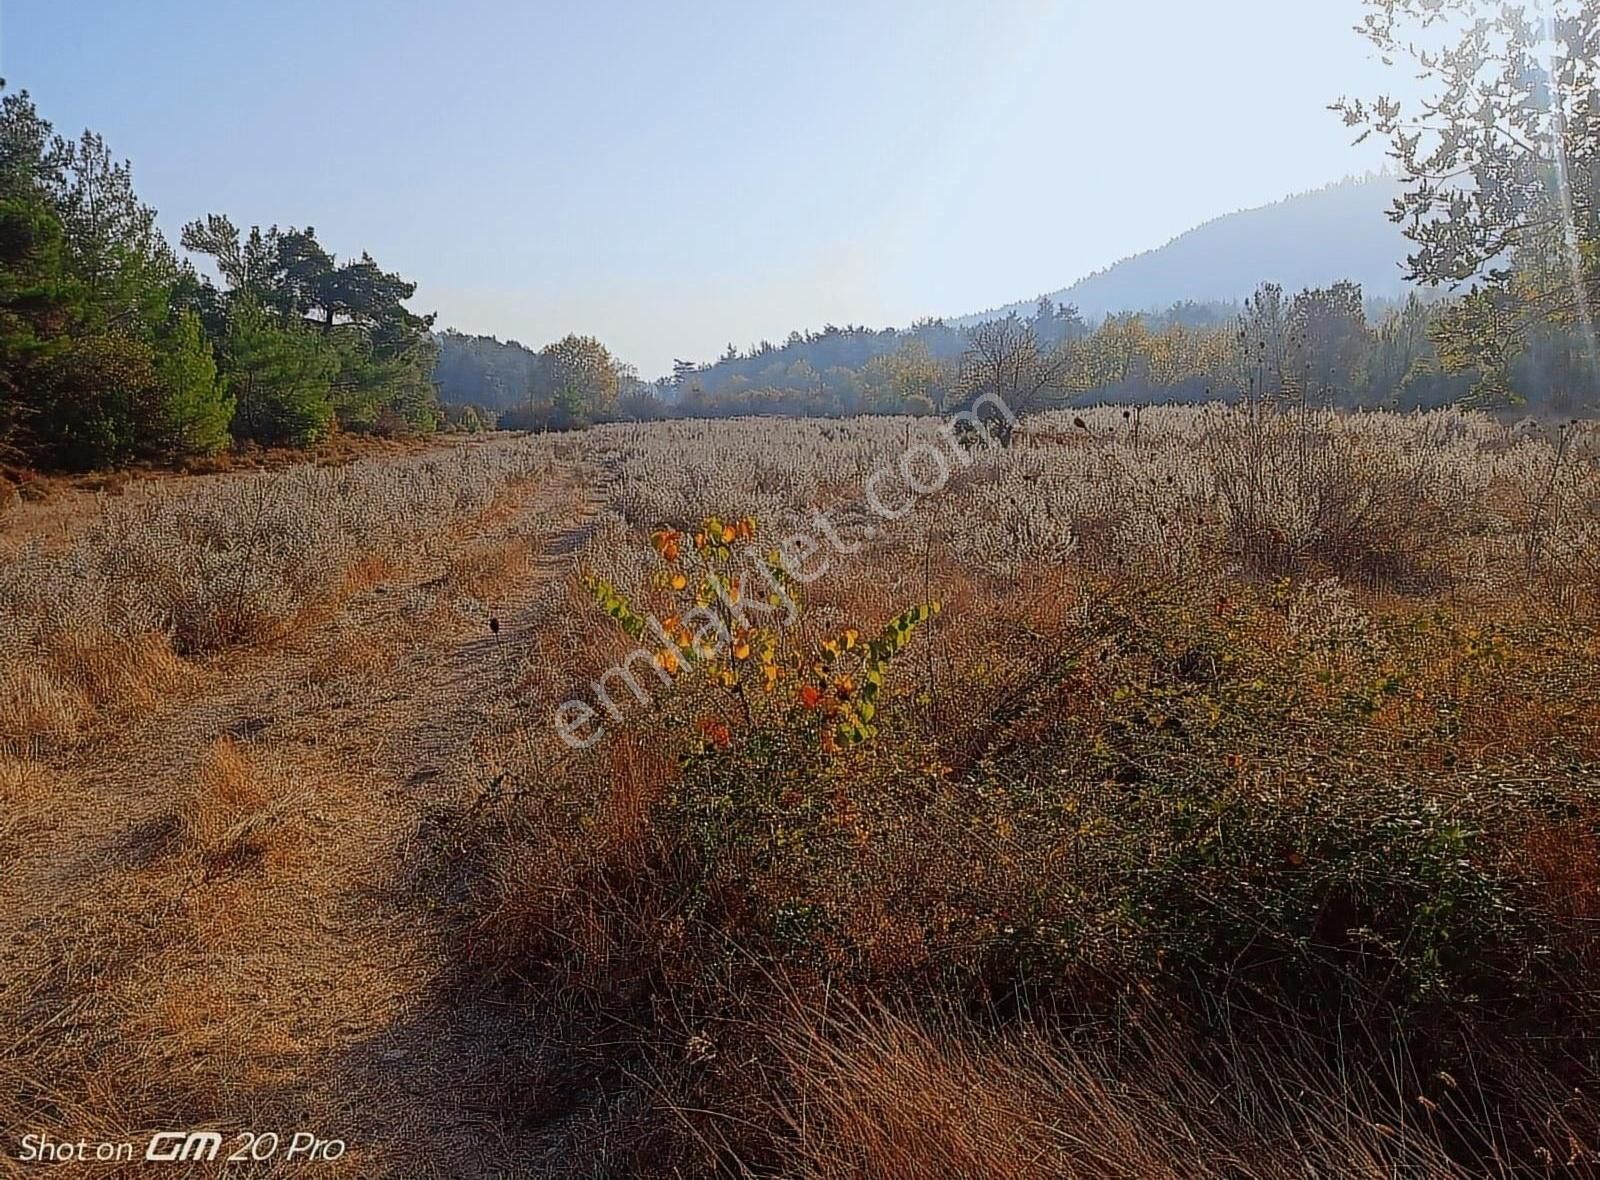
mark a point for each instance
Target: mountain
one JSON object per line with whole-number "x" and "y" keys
{"x": 1309, "y": 240}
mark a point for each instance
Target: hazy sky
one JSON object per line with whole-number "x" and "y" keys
{"x": 675, "y": 176}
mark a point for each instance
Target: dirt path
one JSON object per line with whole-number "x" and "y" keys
{"x": 219, "y": 919}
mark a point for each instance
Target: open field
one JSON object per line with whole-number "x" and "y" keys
{"x": 1236, "y": 813}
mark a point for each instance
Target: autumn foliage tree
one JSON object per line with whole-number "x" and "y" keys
{"x": 571, "y": 382}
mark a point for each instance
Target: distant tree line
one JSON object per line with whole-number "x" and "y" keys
{"x": 574, "y": 381}
{"x": 115, "y": 349}
{"x": 1327, "y": 347}
{"x": 1318, "y": 345}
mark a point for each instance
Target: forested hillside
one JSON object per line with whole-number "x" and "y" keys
{"x": 1314, "y": 239}
{"x": 484, "y": 372}
{"x": 1328, "y": 346}
{"x": 571, "y": 382}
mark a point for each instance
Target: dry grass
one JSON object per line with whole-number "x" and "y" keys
{"x": 1266, "y": 743}
{"x": 1236, "y": 818}
{"x": 77, "y": 675}
{"x": 235, "y": 802}
{"x": 350, "y": 653}
{"x": 24, "y": 785}
{"x": 108, "y": 619}
{"x": 884, "y": 1097}
{"x": 483, "y": 573}
{"x": 204, "y": 918}
{"x": 897, "y": 1097}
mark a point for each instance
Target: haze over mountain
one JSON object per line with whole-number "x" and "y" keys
{"x": 1311, "y": 239}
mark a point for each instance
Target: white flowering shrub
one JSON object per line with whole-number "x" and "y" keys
{"x": 1401, "y": 500}
{"x": 210, "y": 563}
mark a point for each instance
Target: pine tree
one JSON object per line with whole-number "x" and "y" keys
{"x": 196, "y": 409}
{"x": 281, "y": 377}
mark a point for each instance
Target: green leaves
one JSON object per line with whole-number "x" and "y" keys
{"x": 194, "y": 418}
{"x": 614, "y": 604}
{"x": 281, "y": 375}
{"x": 856, "y": 715}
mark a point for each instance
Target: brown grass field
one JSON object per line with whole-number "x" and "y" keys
{"x": 1236, "y": 815}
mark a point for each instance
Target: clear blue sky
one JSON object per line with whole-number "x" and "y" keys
{"x": 675, "y": 176}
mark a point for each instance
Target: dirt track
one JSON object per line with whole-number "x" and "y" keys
{"x": 231, "y": 911}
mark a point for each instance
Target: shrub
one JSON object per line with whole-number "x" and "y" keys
{"x": 833, "y": 693}
{"x": 1214, "y": 798}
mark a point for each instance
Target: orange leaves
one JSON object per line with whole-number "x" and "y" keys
{"x": 708, "y": 645}
{"x": 667, "y": 542}
{"x": 710, "y": 542}
{"x": 718, "y": 532}
{"x": 716, "y": 731}
{"x": 672, "y": 627}
{"x": 704, "y": 627}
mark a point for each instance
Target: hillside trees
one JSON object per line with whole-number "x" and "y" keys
{"x": 572, "y": 381}
{"x": 308, "y": 343}
{"x": 1402, "y": 364}
{"x": 1116, "y": 355}
{"x": 1263, "y": 352}
{"x": 1329, "y": 343}
{"x": 907, "y": 380}
{"x": 1318, "y": 345}
{"x": 89, "y": 349}
{"x": 483, "y": 371}
{"x": 569, "y": 383}
{"x": 113, "y": 349}
{"x": 1005, "y": 359}
{"x": 1057, "y": 323}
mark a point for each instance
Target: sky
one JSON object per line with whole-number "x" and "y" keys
{"x": 673, "y": 178}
